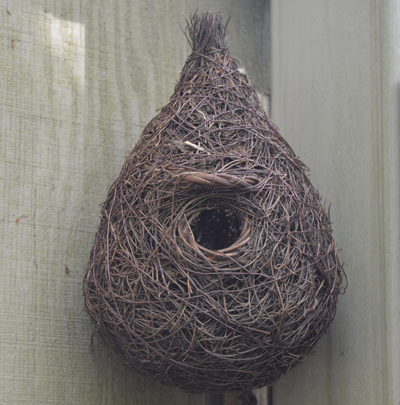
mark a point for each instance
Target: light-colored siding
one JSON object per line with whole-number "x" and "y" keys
{"x": 78, "y": 81}
{"x": 335, "y": 96}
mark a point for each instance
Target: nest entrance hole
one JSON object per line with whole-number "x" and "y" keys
{"x": 216, "y": 228}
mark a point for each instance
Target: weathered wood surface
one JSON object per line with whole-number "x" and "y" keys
{"x": 335, "y": 95}
{"x": 79, "y": 80}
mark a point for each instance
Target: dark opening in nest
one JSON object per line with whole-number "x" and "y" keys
{"x": 216, "y": 228}
{"x": 214, "y": 267}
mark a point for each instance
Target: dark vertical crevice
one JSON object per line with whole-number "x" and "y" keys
{"x": 269, "y": 395}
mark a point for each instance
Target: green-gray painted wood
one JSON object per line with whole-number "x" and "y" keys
{"x": 335, "y": 95}
{"x": 78, "y": 81}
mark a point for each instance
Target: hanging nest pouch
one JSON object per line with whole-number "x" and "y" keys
{"x": 214, "y": 268}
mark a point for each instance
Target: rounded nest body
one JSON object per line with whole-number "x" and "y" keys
{"x": 214, "y": 268}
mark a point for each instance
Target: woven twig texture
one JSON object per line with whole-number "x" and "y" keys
{"x": 214, "y": 267}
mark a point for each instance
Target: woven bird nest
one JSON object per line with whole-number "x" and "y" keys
{"x": 214, "y": 267}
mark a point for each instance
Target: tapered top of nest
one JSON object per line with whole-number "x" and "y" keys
{"x": 206, "y": 32}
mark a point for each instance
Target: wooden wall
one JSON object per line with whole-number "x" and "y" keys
{"x": 335, "y": 96}
{"x": 78, "y": 81}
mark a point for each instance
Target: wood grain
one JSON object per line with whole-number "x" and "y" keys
{"x": 79, "y": 80}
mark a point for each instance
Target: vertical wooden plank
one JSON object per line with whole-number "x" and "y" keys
{"x": 78, "y": 81}
{"x": 335, "y": 95}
